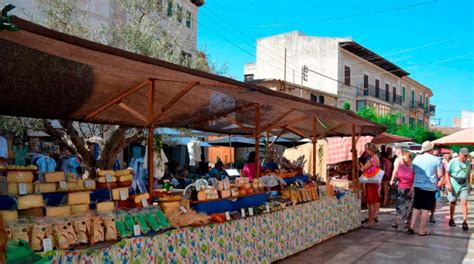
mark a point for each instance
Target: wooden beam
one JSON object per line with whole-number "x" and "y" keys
{"x": 355, "y": 186}
{"x": 314, "y": 141}
{"x": 278, "y": 136}
{"x": 151, "y": 99}
{"x": 292, "y": 122}
{"x": 242, "y": 126}
{"x": 173, "y": 101}
{"x": 331, "y": 130}
{"x": 224, "y": 113}
{"x": 278, "y": 119}
{"x": 133, "y": 112}
{"x": 296, "y": 131}
{"x": 257, "y": 140}
{"x": 117, "y": 99}
{"x": 151, "y": 153}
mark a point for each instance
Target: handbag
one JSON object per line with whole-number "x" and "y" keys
{"x": 374, "y": 179}
{"x": 459, "y": 180}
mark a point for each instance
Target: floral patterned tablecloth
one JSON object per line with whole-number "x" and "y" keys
{"x": 259, "y": 239}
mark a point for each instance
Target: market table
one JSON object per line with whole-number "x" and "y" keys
{"x": 259, "y": 239}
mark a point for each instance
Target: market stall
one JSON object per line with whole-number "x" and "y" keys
{"x": 86, "y": 81}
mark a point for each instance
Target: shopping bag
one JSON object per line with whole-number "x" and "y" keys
{"x": 374, "y": 179}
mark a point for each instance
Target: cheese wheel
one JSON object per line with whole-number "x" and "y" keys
{"x": 79, "y": 209}
{"x": 89, "y": 184}
{"x": 19, "y": 176}
{"x": 73, "y": 186}
{"x": 120, "y": 194}
{"x": 125, "y": 178}
{"x": 32, "y": 212}
{"x": 106, "y": 172}
{"x": 138, "y": 198}
{"x": 202, "y": 196}
{"x": 9, "y": 215}
{"x": 104, "y": 179}
{"x": 30, "y": 201}
{"x": 45, "y": 187}
{"x": 123, "y": 172}
{"x": 54, "y": 176}
{"x": 78, "y": 198}
{"x": 58, "y": 210}
{"x": 225, "y": 193}
{"x": 105, "y": 207}
{"x": 14, "y": 188}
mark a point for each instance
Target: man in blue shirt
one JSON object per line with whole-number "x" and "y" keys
{"x": 428, "y": 169}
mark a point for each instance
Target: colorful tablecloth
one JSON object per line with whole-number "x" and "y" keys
{"x": 260, "y": 239}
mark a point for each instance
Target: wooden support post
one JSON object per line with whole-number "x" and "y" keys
{"x": 257, "y": 140}
{"x": 355, "y": 183}
{"x": 151, "y": 99}
{"x": 314, "y": 141}
{"x": 151, "y": 153}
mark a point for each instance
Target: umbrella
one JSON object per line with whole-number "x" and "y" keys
{"x": 283, "y": 142}
{"x": 464, "y": 137}
{"x": 234, "y": 141}
{"x": 386, "y": 138}
{"x": 184, "y": 141}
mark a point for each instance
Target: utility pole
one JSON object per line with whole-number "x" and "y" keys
{"x": 304, "y": 77}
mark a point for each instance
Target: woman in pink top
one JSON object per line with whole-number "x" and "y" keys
{"x": 404, "y": 174}
{"x": 250, "y": 169}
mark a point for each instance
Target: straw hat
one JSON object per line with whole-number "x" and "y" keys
{"x": 427, "y": 146}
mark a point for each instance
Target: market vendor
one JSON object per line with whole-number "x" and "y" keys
{"x": 218, "y": 171}
{"x": 270, "y": 164}
{"x": 250, "y": 168}
{"x": 183, "y": 174}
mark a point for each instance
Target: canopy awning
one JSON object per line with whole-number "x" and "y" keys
{"x": 234, "y": 141}
{"x": 48, "y": 74}
{"x": 386, "y": 138}
{"x": 464, "y": 137}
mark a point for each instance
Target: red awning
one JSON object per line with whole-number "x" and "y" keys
{"x": 386, "y": 138}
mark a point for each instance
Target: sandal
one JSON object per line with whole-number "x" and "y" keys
{"x": 411, "y": 231}
{"x": 451, "y": 222}
{"x": 395, "y": 226}
{"x": 425, "y": 234}
{"x": 432, "y": 220}
{"x": 465, "y": 227}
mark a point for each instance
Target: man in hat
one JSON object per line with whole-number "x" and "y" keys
{"x": 458, "y": 185}
{"x": 427, "y": 169}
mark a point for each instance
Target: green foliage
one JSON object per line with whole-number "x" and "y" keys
{"x": 19, "y": 126}
{"x": 419, "y": 134}
{"x": 346, "y": 106}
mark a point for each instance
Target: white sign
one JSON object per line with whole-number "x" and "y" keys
{"x": 183, "y": 209}
{"x": 22, "y": 188}
{"x": 88, "y": 184}
{"x": 242, "y": 212}
{"x": 123, "y": 195}
{"x": 108, "y": 178}
{"x": 62, "y": 185}
{"x": 144, "y": 203}
{"x": 227, "y": 216}
{"x": 251, "y": 211}
{"x": 268, "y": 208}
{"x": 136, "y": 230}
{"x": 47, "y": 244}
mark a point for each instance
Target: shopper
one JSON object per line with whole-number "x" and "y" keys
{"x": 372, "y": 198}
{"x": 250, "y": 168}
{"x": 458, "y": 185}
{"x": 404, "y": 175}
{"x": 386, "y": 165}
{"x": 427, "y": 169}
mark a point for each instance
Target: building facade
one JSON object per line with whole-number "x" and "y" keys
{"x": 466, "y": 120}
{"x": 342, "y": 69}
{"x": 178, "y": 18}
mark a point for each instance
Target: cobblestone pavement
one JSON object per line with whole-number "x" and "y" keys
{"x": 383, "y": 244}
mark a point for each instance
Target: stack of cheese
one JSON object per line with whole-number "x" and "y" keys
{"x": 124, "y": 178}
{"x": 20, "y": 182}
{"x": 257, "y": 185}
{"x": 30, "y": 205}
{"x": 208, "y": 193}
{"x": 243, "y": 185}
{"x": 224, "y": 188}
{"x": 106, "y": 179}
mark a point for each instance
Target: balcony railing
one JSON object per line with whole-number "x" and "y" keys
{"x": 416, "y": 105}
{"x": 379, "y": 93}
{"x": 432, "y": 110}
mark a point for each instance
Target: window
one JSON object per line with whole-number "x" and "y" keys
{"x": 317, "y": 98}
{"x": 412, "y": 99}
{"x": 179, "y": 13}
{"x": 387, "y": 92}
{"x": 403, "y": 93}
{"x": 360, "y": 105}
{"x": 347, "y": 75}
{"x": 170, "y": 8}
{"x": 412, "y": 122}
{"x": 421, "y": 101}
{"x": 403, "y": 120}
{"x": 248, "y": 77}
{"x": 377, "y": 88}
{"x": 366, "y": 81}
{"x": 189, "y": 17}
{"x": 394, "y": 93}
{"x": 185, "y": 59}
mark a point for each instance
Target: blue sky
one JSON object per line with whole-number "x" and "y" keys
{"x": 432, "y": 40}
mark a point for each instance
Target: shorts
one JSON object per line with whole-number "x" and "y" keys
{"x": 461, "y": 194}
{"x": 372, "y": 193}
{"x": 424, "y": 200}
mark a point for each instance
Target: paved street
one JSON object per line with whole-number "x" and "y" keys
{"x": 385, "y": 245}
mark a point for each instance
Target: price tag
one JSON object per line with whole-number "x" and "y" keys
{"x": 227, "y": 216}
{"x": 242, "y": 212}
{"x": 183, "y": 209}
{"x": 108, "y": 178}
{"x": 136, "y": 230}
{"x": 88, "y": 184}
{"x": 123, "y": 195}
{"x": 144, "y": 203}
{"x": 22, "y": 188}
{"x": 47, "y": 244}
{"x": 62, "y": 185}
{"x": 226, "y": 185}
{"x": 251, "y": 211}
{"x": 267, "y": 206}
